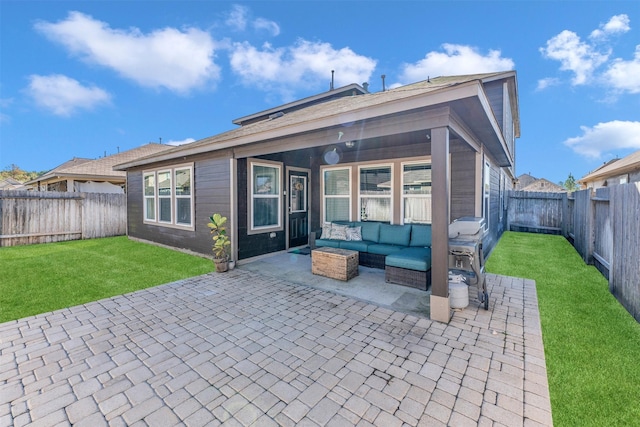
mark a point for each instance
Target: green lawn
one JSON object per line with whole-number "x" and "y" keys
{"x": 41, "y": 278}
{"x": 592, "y": 344}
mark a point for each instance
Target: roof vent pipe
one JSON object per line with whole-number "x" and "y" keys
{"x": 383, "y": 86}
{"x": 332, "y": 71}
{"x": 365, "y": 85}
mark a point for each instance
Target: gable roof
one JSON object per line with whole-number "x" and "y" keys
{"x": 621, "y": 166}
{"x": 101, "y": 168}
{"x": 543, "y": 185}
{"x": 349, "y": 90}
{"x": 334, "y": 113}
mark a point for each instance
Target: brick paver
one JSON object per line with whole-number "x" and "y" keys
{"x": 246, "y": 349}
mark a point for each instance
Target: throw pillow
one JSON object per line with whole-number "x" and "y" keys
{"x": 326, "y": 231}
{"x": 339, "y": 232}
{"x": 354, "y": 234}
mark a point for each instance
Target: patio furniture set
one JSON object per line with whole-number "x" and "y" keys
{"x": 403, "y": 251}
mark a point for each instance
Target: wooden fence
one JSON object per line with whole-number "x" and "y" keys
{"x": 29, "y": 217}
{"x": 603, "y": 227}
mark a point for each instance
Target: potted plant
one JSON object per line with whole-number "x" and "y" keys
{"x": 221, "y": 242}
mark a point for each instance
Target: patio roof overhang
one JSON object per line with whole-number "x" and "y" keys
{"x": 463, "y": 108}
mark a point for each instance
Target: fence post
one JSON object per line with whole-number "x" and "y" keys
{"x": 565, "y": 215}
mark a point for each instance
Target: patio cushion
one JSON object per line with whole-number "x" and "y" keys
{"x": 355, "y": 245}
{"x": 339, "y": 232}
{"x": 418, "y": 259}
{"x": 326, "y": 230}
{"x": 420, "y": 235}
{"x": 395, "y": 234}
{"x": 328, "y": 242}
{"x": 354, "y": 233}
{"x": 382, "y": 249}
{"x": 370, "y": 230}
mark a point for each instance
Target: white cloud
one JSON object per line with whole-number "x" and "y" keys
{"x": 606, "y": 137}
{"x": 5, "y": 103}
{"x": 181, "y": 142}
{"x": 166, "y": 58}
{"x": 267, "y": 25}
{"x": 617, "y": 24}
{"x": 305, "y": 63}
{"x": 574, "y": 55}
{"x": 63, "y": 96}
{"x": 590, "y": 61}
{"x": 625, "y": 75}
{"x": 547, "y": 82}
{"x": 237, "y": 18}
{"x": 455, "y": 60}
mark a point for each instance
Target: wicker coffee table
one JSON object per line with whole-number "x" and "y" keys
{"x": 340, "y": 264}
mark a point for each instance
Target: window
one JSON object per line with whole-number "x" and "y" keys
{"x": 298, "y": 190}
{"x": 375, "y": 193}
{"x": 416, "y": 193}
{"x": 265, "y": 213}
{"x": 183, "y": 196}
{"x": 168, "y": 198}
{"x": 337, "y": 194}
{"x": 164, "y": 196}
{"x": 150, "y": 196}
{"x": 486, "y": 185}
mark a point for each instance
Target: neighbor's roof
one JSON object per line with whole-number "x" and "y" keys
{"x": 626, "y": 164}
{"x": 100, "y": 168}
{"x": 341, "y": 108}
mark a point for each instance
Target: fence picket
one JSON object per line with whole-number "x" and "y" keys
{"x": 30, "y": 217}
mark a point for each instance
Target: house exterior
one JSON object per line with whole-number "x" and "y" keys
{"x": 12, "y": 184}
{"x": 93, "y": 176}
{"x": 618, "y": 171}
{"x": 542, "y": 185}
{"x": 428, "y": 152}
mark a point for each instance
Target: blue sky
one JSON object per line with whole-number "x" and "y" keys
{"x": 85, "y": 79}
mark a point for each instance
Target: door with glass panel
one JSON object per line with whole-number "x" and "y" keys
{"x": 298, "y": 200}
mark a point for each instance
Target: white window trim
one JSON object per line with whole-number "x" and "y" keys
{"x": 156, "y": 197}
{"x": 153, "y": 197}
{"x": 340, "y": 196}
{"x": 410, "y": 196}
{"x": 177, "y": 196}
{"x": 268, "y": 228}
{"x": 389, "y": 196}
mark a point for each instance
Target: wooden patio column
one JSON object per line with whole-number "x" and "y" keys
{"x": 440, "y": 198}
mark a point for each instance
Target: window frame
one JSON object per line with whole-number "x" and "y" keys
{"x": 145, "y": 197}
{"x": 403, "y": 196}
{"x": 181, "y": 196}
{"x": 486, "y": 194}
{"x": 389, "y": 196}
{"x": 325, "y": 196}
{"x": 252, "y": 229}
{"x": 163, "y": 197}
{"x": 173, "y": 222}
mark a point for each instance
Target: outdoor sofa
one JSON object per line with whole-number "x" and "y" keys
{"x": 403, "y": 251}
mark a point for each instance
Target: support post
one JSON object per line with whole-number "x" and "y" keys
{"x": 440, "y": 200}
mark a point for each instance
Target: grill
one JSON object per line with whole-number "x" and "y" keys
{"x": 465, "y": 253}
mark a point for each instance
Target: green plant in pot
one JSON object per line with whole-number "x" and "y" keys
{"x": 221, "y": 242}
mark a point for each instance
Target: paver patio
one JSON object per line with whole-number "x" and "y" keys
{"x": 244, "y": 349}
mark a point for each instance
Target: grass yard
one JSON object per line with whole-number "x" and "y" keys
{"x": 41, "y": 278}
{"x": 592, "y": 344}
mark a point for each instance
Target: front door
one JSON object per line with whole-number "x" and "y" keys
{"x": 298, "y": 200}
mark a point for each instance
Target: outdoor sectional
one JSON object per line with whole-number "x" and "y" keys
{"x": 403, "y": 251}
